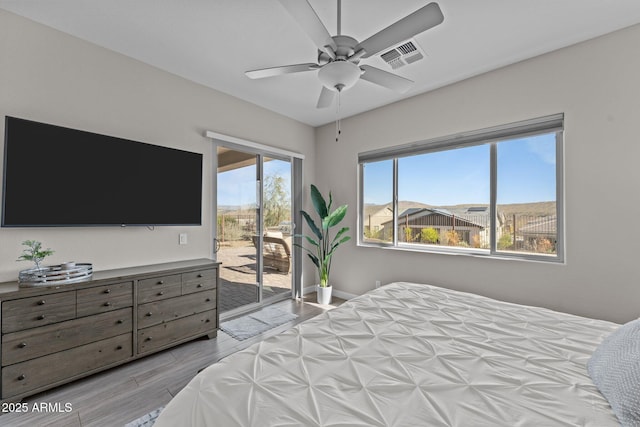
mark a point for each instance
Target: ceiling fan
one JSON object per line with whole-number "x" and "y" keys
{"x": 339, "y": 56}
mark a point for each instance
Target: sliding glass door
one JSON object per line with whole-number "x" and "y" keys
{"x": 238, "y": 222}
{"x": 277, "y": 244}
{"x": 254, "y": 228}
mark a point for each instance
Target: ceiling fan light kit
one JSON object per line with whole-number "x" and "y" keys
{"x": 339, "y": 56}
{"x": 339, "y": 75}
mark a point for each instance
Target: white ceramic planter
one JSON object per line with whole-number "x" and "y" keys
{"x": 324, "y": 294}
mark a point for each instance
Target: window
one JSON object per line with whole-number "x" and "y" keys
{"x": 494, "y": 192}
{"x": 378, "y": 190}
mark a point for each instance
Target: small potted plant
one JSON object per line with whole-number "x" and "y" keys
{"x": 34, "y": 252}
{"x": 322, "y": 245}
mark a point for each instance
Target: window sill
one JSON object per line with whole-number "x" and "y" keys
{"x": 469, "y": 252}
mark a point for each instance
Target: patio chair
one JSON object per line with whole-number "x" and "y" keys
{"x": 276, "y": 252}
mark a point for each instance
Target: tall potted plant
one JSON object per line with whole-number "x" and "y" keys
{"x": 321, "y": 245}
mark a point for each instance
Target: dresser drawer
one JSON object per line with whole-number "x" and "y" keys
{"x": 43, "y": 371}
{"x": 159, "y": 292}
{"x": 159, "y": 282}
{"x": 197, "y": 281}
{"x": 158, "y": 336}
{"x": 32, "y": 312}
{"x": 32, "y": 343}
{"x": 158, "y": 288}
{"x": 104, "y": 298}
{"x": 174, "y": 308}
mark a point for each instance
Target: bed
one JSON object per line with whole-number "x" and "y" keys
{"x": 408, "y": 355}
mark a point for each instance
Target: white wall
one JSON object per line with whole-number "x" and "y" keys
{"x": 48, "y": 76}
{"x": 51, "y": 77}
{"x": 597, "y": 85}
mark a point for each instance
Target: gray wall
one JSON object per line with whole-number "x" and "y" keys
{"x": 49, "y": 76}
{"x": 597, "y": 85}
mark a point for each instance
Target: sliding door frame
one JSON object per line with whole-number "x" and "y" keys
{"x": 262, "y": 151}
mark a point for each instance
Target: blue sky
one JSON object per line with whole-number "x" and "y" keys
{"x": 526, "y": 173}
{"x": 238, "y": 186}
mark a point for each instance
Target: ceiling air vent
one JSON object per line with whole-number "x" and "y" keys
{"x": 404, "y": 54}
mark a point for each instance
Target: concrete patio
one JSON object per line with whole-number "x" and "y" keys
{"x": 238, "y": 277}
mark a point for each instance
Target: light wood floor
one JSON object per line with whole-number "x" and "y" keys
{"x": 123, "y": 394}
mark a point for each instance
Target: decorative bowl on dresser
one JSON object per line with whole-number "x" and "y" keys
{"x": 55, "y": 334}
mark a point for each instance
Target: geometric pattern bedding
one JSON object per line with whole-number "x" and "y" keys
{"x": 408, "y": 355}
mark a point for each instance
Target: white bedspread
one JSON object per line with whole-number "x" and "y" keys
{"x": 408, "y": 355}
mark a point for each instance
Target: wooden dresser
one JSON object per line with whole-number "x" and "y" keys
{"x": 53, "y": 335}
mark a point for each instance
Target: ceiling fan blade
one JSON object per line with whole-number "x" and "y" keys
{"x": 326, "y": 97}
{"x": 419, "y": 21}
{"x": 278, "y": 71}
{"x": 308, "y": 20}
{"x": 383, "y": 78}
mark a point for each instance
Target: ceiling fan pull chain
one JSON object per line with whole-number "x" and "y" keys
{"x": 338, "y": 121}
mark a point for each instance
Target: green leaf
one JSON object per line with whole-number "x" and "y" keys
{"x": 34, "y": 252}
{"x": 335, "y": 217}
{"x": 335, "y": 246}
{"x": 312, "y": 225}
{"x": 314, "y": 259}
{"x": 307, "y": 238}
{"x": 340, "y": 233}
{"x": 318, "y": 202}
{"x": 313, "y": 242}
{"x": 305, "y": 249}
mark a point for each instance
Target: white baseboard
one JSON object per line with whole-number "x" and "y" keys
{"x": 336, "y": 292}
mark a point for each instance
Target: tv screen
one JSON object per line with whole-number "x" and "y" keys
{"x": 56, "y": 176}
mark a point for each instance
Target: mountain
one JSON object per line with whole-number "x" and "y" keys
{"x": 530, "y": 209}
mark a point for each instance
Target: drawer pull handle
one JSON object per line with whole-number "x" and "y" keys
{"x": 22, "y": 345}
{"x": 119, "y": 347}
{"x": 200, "y": 275}
{"x": 160, "y": 282}
{"x": 199, "y": 285}
{"x": 149, "y": 338}
{"x": 41, "y": 302}
{"x": 149, "y": 314}
{"x": 207, "y": 321}
{"x": 107, "y": 291}
{"x": 160, "y": 293}
{"x": 41, "y": 317}
{"x": 119, "y": 321}
{"x": 21, "y": 377}
{"x": 107, "y": 304}
{"x": 208, "y": 300}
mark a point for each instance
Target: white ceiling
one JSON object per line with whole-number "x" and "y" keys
{"x": 212, "y": 42}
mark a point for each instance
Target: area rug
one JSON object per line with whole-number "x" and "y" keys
{"x": 147, "y": 420}
{"x": 255, "y": 323}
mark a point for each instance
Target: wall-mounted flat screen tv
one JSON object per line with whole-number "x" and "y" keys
{"x": 60, "y": 177}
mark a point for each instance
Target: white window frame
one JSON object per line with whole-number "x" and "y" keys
{"x": 492, "y": 136}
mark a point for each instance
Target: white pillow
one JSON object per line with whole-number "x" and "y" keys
{"x": 614, "y": 367}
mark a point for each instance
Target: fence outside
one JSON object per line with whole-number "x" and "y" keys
{"x": 235, "y": 226}
{"x": 241, "y": 225}
{"x": 514, "y": 232}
